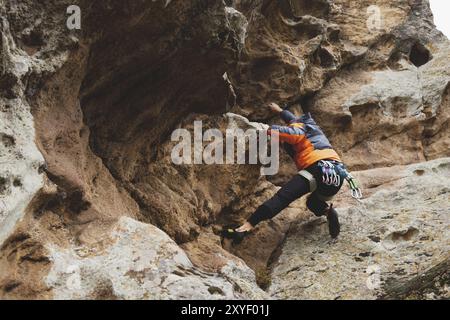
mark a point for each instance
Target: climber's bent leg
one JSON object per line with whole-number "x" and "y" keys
{"x": 293, "y": 190}
{"x": 316, "y": 205}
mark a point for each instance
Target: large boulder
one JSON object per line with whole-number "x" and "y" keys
{"x": 139, "y": 261}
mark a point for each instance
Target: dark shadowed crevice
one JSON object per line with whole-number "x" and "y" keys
{"x": 136, "y": 91}
{"x": 419, "y": 55}
{"x": 324, "y": 58}
{"x": 299, "y": 8}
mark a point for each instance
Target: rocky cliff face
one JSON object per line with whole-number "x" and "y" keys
{"x": 399, "y": 231}
{"x": 91, "y": 205}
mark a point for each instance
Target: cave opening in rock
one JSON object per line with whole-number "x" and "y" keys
{"x": 419, "y": 55}
{"x": 135, "y": 92}
{"x": 324, "y": 58}
{"x": 131, "y": 119}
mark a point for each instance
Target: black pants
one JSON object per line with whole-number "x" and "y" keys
{"x": 296, "y": 188}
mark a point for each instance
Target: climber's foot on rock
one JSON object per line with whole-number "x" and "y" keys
{"x": 237, "y": 234}
{"x": 234, "y": 234}
{"x": 333, "y": 222}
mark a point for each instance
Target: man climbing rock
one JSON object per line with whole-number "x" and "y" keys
{"x": 321, "y": 173}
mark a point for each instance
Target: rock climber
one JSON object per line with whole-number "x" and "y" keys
{"x": 321, "y": 174}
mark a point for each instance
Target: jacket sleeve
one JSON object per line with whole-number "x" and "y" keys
{"x": 290, "y": 135}
{"x": 287, "y": 116}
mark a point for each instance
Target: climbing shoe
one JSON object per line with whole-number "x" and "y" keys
{"x": 333, "y": 222}
{"x": 234, "y": 235}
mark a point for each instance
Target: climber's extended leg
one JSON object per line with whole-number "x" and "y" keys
{"x": 316, "y": 205}
{"x": 293, "y": 190}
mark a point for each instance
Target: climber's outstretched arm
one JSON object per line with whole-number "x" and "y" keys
{"x": 286, "y": 115}
{"x": 288, "y": 134}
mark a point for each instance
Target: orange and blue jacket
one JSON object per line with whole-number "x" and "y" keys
{"x": 308, "y": 141}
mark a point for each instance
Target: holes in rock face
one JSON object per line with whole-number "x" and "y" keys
{"x": 365, "y": 254}
{"x": 3, "y": 184}
{"x": 7, "y": 140}
{"x": 216, "y": 290}
{"x": 17, "y": 183}
{"x": 419, "y": 55}
{"x": 33, "y": 38}
{"x": 405, "y": 235}
{"x": 362, "y": 255}
{"x": 324, "y": 58}
{"x": 334, "y": 33}
{"x": 32, "y": 41}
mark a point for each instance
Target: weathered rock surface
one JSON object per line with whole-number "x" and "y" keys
{"x": 404, "y": 111}
{"x": 86, "y": 117}
{"x": 139, "y": 261}
{"x": 20, "y": 159}
{"x": 399, "y": 231}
